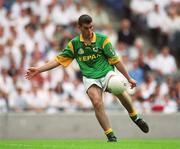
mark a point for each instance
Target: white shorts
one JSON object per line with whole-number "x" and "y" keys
{"x": 101, "y": 82}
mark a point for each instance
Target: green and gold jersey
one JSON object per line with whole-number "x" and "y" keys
{"x": 95, "y": 60}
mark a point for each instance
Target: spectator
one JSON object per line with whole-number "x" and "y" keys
{"x": 141, "y": 7}
{"x": 17, "y": 100}
{"x": 150, "y": 59}
{"x": 170, "y": 105}
{"x": 4, "y": 58}
{"x": 37, "y": 99}
{"x": 78, "y": 10}
{"x": 125, "y": 33}
{"x": 6, "y": 83}
{"x": 136, "y": 49}
{"x": 80, "y": 97}
{"x": 4, "y": 34}
{"x": 3, "y": 103}
{"x": 142, "y": 105}
{"x": 177, "y": 88}
{"x": 32, "y": 31}
{"x": 148, "y": 86}
{"x": 154, "y": 21}
{"x": 139, "y": 10}
{"x": 101, "y": 19}
{"x": 136, "y": 72}
{"x": 167, "y": 60}
{"x": 111, "y": 34}
{"x": 158, "y": 104}
{"x": 58, "y": 99}
{"x": 61, "y": 15}
{"x": 143, "y": 65}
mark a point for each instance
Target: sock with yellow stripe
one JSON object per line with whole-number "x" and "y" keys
{"x": 139, "y": 121}
{"x": 109, "y": 133}
{"x": 134, "y": 116}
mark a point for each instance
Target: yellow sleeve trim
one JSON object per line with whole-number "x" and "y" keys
{"x": 70, "y": 45}
{"x": 64, "y": 61}
{"x": 105, "y": 42}
{"x": 114, "y": 60}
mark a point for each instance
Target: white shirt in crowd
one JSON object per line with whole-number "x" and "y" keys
{"x": 167, "y": 65}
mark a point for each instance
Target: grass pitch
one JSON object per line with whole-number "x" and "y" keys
{"x": 89, "y": 144}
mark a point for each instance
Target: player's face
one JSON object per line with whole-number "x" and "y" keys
{"x": 87, "y": 30}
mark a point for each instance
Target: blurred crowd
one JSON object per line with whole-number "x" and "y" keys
{"x": 33, "y": 32}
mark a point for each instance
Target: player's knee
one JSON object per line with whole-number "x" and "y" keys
{"x": 97, "y": 104}
{"x": 117, "y": 85}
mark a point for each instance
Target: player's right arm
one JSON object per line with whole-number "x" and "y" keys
{"x": 33, "y": 71}
{"x": 64, "y": 58}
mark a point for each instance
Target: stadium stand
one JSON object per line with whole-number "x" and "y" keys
{"x": 32, "y": 32}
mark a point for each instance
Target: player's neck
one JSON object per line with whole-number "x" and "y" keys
{"x": 87, "y": 39}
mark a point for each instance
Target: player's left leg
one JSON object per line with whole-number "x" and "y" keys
{"x": 126, "y": 102}
{"x": 95, "y": 94}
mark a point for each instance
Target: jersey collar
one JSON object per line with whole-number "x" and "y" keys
{"x": 93, "y": 40}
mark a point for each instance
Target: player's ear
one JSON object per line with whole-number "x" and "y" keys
{"x": 79, "y": 27}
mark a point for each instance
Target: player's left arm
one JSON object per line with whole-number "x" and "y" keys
{"x": 110, "y": 52}
{"x": 115, "y": 60}
{"x": 120, "y": 67}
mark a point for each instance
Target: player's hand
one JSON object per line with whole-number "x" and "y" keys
{"x": 31, "y": 72}
{"x": 132, "y": 83}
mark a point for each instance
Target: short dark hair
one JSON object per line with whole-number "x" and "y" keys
{"x": 84, "y": 19}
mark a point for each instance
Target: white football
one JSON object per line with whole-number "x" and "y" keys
{"x": 117, "y": 84}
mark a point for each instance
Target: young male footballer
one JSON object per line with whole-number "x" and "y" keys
{"x": 97, "y": 59}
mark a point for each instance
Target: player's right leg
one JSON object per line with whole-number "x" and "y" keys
{"x": 95, "y": 94}
{"x": 117, "y": 86}
{"x": 126, "y": 102}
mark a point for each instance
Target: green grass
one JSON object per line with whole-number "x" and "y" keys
{"x": 89, "y": 144}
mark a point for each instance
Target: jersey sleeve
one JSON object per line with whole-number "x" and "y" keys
{"x": 110, "y": 52}
{"x": 66, "y": 56}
